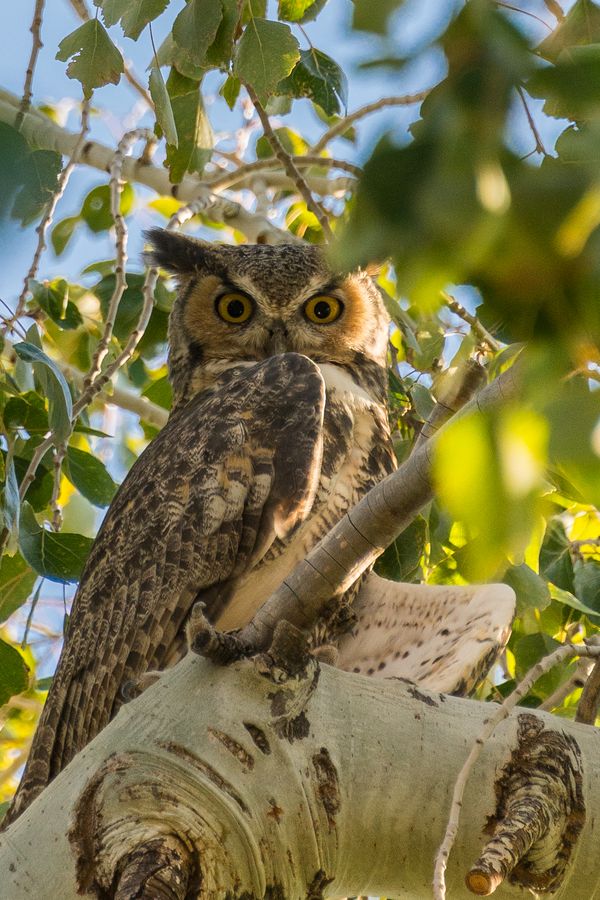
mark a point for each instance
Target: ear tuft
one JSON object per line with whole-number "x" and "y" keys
{"x": 176, "y": 253}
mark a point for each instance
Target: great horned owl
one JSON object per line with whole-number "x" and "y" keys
{"x": 279, "y": 425}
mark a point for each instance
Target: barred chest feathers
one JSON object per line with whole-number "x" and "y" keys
{"x": 357, "y": 454}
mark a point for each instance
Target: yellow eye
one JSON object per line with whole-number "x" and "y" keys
{"x": 235, "y": 308}
{"x": 323, "y": 309}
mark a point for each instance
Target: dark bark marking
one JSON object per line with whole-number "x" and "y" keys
{"x": 424, "y": 698}
{"x": 259, "y": 737}
{"x": 241, "y": 754}
{"x": 328, "y": 788}
{"x": 207, "y": 770}
{"x": 317, "y": 886}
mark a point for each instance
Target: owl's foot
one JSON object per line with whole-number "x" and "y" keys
{"x": 221, "y": 647}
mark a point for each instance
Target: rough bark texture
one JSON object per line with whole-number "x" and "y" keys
{"x": 226, "y": 783}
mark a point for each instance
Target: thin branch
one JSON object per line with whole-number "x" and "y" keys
{"x": 587, "y": 708}
{"x": 290, "y": 167}
{"x": 563, "y": 653}
{"x": 82, "y": 11}
{"x": 457, "y": 389}
{"x": 46, "y": 221}
{"x": 47, "y": 135}
{"x": 59, "y": 455}
{"x": 116, "y": 187}
{"x": 36, "y": 46}
{"x": 524, "y": 12}
{"x": 476, "y": 326}
{"x": 553, "y": 7}
{"x": 345, "y": 123}
{"x": 576, "y": 681}
{"x": 539, "y": 146}
{"x": 226, "y": 179}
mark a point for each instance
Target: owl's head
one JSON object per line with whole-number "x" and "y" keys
{"x": 245, "y": 303}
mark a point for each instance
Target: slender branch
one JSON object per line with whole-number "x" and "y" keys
{"x": 480, "y": 330}
{"x": 524, "y": 12}
{"x": 59, "y": 455}
{"x": 290, "y": 167}
{"x": 36, "y": 46}
{"x": 587, "y": 709}
{"x": 46, "y": 221}
{"x": 227, "y": 179}
{"x": 116, "y": 187}
{"x": 457, "y": 389}
{"x": 563, "y": 653}
{"x": 345, "y": 123}
{"x": 553, "y": 7}
{"x": 43, "y": 132}
{"x": 576, "y": 681}
{"x": 82, "y": 11}
{"x": 539, "y": 146}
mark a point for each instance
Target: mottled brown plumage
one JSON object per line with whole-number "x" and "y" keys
{"x": 279, "y": 425}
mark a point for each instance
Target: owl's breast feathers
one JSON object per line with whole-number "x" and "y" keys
{"x": 232, "y": 476}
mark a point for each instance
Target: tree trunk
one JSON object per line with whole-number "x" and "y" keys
{"x": 244, "y": 782}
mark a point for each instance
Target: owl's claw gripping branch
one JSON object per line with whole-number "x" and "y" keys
{"x": 221, "y": 647}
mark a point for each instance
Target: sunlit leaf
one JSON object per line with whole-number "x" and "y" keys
{"x": 96, "y": 209}
{"x": 581, "y": 25}
{"x": 57, "y": 556}
{"x": 53, "y": 298}
{"x": 266, "y": 53}
{"x": 569, "y": 599}
{"x": 62, "y": 233}
{"x": 95, "y": 59}
{"x": 193, "y": 128}
{"x": 531, "y": 590}
{"x": 295, "y": 10}
{"x": 555, "y": 556}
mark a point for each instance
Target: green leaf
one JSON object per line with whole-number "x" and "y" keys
{"x": 39, "y": 492}
{"x": 266, "y": 53}
{"x": 170, "y": 54}
{"x": 14, "y": 673}
{"x": 530, "y": 649}
{"x": 63, "y": 232}
{"x": 569, "y": 599}
{"x": 27, "y": 411}
{"x": 193, "y": 128}
{"x": 53, "y": 297}
{"x": 581, "y": 25}
{"x": 401, "y": 560}
{"x": 54, "y": 385}
{"x": 96, "y": 61}
{"x": 134, "y": 14}
{"x": 11, "y": 503}
{"x": 373, "y": 16}
{"x": 162, "y": 105}
{"x": 57, "y": 556}
{"x": 95, "y": 211}
{"x": 89, "y": 475}
{"x": 16, "y": 583}
{"x": 219, "y": 52}
{"x": 295, "y": 10}
{"x": 160, "y": 392}
{"x": 532, "y": 591}
{"x": 39, "y": 174}
{"x": 230, "y": 90}
{"x": 318, "y": 77}
{"x": 555, "y": 556}
{"x": 587, "y": 582}
{"x": 571, "y": 87}
{"x": 196, "y": 26}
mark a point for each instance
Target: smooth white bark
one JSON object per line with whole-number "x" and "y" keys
{"x": 360, "y": 795}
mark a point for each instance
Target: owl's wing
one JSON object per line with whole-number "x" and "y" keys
{"x": 444, "y": 637}
{"x": 229, "y": 472}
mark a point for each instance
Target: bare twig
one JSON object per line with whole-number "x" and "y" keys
{"x": 227, "y": 179}
{"x": 82, "y": 11}
{"x": 116, "y": 186}
{"x": 36, "y": 46}
{"x": 539, "y": 146}
{"x": 576, "y": 681}
{"x": 46, "y": 221}
{"x": 587, "y": 708}
{"x": 59, "y": 455}
{"x": 524, "y": 12}
{"x": 480, "y": 330}
{"x": 345, "y": 123}
{"x": 563, "y": 653}
{"x": 290, "y": 167}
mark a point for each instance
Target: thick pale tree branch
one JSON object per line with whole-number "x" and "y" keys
{"x": 246, "y": 786}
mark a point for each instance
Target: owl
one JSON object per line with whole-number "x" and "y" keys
{"x": 279, "y": 425}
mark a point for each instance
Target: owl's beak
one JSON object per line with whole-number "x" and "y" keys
{"x": 277, "y": 341}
